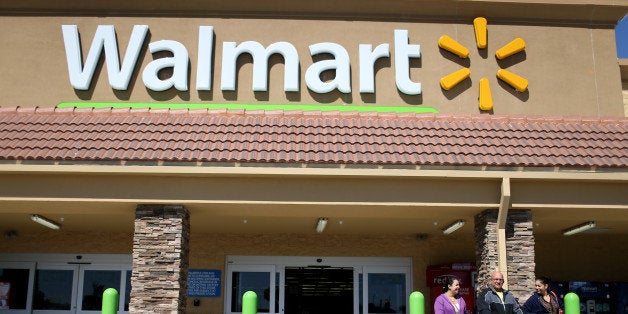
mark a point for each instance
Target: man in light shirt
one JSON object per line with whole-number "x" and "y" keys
{"x": 495, "y": 299}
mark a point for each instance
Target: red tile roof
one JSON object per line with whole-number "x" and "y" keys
{"x": 311, "y": 137}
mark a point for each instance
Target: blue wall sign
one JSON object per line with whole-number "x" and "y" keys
{"x": 204, "y": 283}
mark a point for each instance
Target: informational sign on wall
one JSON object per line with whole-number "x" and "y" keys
{"x": 204, "y": 283}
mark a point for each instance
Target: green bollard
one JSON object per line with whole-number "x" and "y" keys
{"x": 417, "y": 303}
{"x": 572, "y": 303}
{"x": 249, "y": 303}
{"x": 110, "y": 301}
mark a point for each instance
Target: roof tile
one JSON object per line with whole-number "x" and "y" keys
{"x": 311, "y": 137}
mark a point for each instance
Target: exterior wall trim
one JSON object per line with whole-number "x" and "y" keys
{"x": 305, "y": 172}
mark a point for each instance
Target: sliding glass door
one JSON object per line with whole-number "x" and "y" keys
{"x": 385, "y": 289}
{"x": 260, "y": 279}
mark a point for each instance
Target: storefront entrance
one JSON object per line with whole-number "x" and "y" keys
{"x": 315, "y": 285}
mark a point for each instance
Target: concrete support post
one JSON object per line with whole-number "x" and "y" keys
{"x": 519, "y": 250}
{"x": 160, "y": 259}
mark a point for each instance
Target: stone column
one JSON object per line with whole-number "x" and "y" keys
{"x": 519, "y": 250}
{"x": 160, "y": 259}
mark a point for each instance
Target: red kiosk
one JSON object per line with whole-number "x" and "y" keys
{"x": 436, "y": 277}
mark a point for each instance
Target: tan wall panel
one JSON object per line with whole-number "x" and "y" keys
{"x": 50, "y": 241}
{"x": 625, "y": 97}
{"x": 604, "y": 49}
{"x": 567, "y": 67}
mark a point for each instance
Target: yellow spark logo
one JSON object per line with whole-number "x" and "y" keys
{"x": 485, "y": 100}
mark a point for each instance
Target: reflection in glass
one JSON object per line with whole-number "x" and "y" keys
{"x": 386, "y": 293}
{"x": 258, "y": 282}
{"x": 16, "y": 280}
{"x": 95, "y": 282}
{"x": 53, "y": 289}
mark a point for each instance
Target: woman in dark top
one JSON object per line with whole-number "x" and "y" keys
{"x": 542, "y": 300}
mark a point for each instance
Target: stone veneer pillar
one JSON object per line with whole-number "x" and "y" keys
{"x": 519, "y": 251}
{"x": 160, "y": 259}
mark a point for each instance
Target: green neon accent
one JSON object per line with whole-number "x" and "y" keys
{"x": 396, "y": 109}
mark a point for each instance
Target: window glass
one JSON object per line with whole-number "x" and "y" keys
{"x": 53, "y": 289}
{"x": 258, "y": 282}
{"x": 95, "y": 282}
{"x": 13, "y": 288}
{"x": 386, "y": 293}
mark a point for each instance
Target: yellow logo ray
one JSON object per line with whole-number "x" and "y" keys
{"x": 453, "y": 46}
{"x": 486, "y": 99}
{"x": 510, "y": 48}
{"x": 452, "y": 79}
{"x": 514, "y": 80}
{"x": 479, "y": 26}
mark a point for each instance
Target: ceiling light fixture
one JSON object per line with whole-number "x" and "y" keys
{"x": 453, "y": 227}
{"x": 321, "y": 224}
{"x": 579, "y": 228}
{"x": 45, "y": 222}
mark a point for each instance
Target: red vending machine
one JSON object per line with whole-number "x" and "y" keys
{"x": 436, "y": 277}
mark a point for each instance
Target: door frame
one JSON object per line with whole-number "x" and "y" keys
{"x": 75, "y": 277}
{"x": 31, "y": 279}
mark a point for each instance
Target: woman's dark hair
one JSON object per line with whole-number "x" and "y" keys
{"x": 449, "y": 282}
{"x": 543, "y": 280}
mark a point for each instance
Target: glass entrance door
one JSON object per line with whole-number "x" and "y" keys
{"x": 15, "y": 281}
{"x": 62, "y": 283}
{"x": 54, "y": 291}
{"x": 385, "y": 290}
{"x": 318, "y": 290}
{"x": 260, "y": 279}
{"x": 94, "y": 280}
{"x": 78, "y": 288}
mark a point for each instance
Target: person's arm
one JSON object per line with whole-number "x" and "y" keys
{"x": 439, "y": 307}
{"x": 482, "y": 306}
{"x": 516, "y": 308}
{"x": 529, "y": 305}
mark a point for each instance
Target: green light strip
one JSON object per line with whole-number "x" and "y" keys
{"x": 396, "y": 109}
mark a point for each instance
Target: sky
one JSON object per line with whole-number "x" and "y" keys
{"x": 621, "y": 36}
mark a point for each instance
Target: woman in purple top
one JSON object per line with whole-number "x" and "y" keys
{"x": 450, "y": 301}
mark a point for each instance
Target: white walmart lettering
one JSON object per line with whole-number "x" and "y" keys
{"x": 81, "y": 75}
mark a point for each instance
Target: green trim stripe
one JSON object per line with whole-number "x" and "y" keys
{"x": 287, "y": 107}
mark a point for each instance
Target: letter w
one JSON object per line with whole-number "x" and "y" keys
{"x": 105, "y": 37}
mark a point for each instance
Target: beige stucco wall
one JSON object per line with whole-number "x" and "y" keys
{"x": 625, "y": 97}
{"x": 50, "y": 241}
{"x": 571, "y": 69}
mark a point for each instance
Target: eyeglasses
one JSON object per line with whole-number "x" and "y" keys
{"x": 497, "y": 279}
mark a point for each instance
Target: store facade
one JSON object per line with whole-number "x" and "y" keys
{"x": 312, "y": 152}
